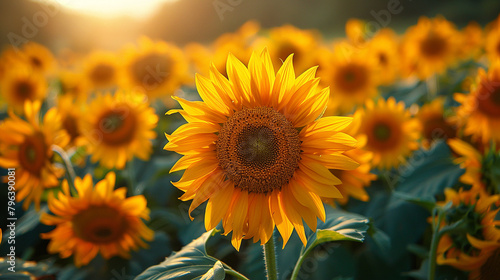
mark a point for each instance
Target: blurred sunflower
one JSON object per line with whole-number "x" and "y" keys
{"x": 154, "y": 68}
{"x": 118, "y": 127}
{"x": 98, "y": 220}
{"x": 38, "y": 57}
{"x": 383, "y": 47}
{"x": 286, "y": 40}
{"x": 469, "y": 248}
{"x": 256, "y": 150}
{"x": 101, "y": 70}
{"x": 73, "y": 84}
{"x": 391, "y": 132}
{"x": 21, "y": 84}
{"x": 70, "y": 112}
{"x": 471, "y": 41}
{"x": 27, "y": 146}
{"x": 355, "y": 30}
{"x": 434, "y": 124}
{"x": 351, "y": 73}
{"x": 492, "y": 44}
{"x": 429, "y": 47}
{"x": 479, "y": 111}
{"x": 481, "y": 171}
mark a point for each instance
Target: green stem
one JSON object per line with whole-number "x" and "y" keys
{"x": 296, "y": 269}
{"x": 434, "y": 244}
{"x": 70, "y": 171}
{"x": 270, "y": 258}
{"x": 235, "y": 274}
{"x": 130, "y": 169}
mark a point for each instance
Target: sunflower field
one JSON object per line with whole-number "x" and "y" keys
{"x": 267, "y": 153}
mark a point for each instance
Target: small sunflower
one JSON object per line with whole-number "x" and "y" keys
{"x": 22, "y": 84}
{"x": 98, "y": 220}
{"x": 481, "y": 170}
{"x": 118, "y": 127}
{"x": 492, "y": 44}
{"x": 154, "y": 68}
{"x": 101, "y": 70}
{"x": 471, "y": 247}
{"x": 429, "y": 47}
{"x": 73, "y": 84}
{"x": 70, "y": 112}
{"x": 383, "y": 46}
{"x": 434, "y": 124}
{"x": 351, "y": 73}
{"x": 286, "y": 40}
{"x": 479, "y": 111}
{"x": 256, "y": 149}
{"x": 391, "y": 132}
{"x": 355, "y": 30}
{"x": 472, "y": 41}
{"x": 38, "y": 57}
{"x": 28, "y": 148}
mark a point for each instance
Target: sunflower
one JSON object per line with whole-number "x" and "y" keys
{"x": 479, "y": 112}
{"x": 472, "y": 40}
{"x": 355, "y": 30}
{"x": 429, "y": 47}
{"x": 256, "y": 149}
{"x": 351, "y": 73}
{"x": 39, "y": 57}
{"x": 492, "y": 44}
{"x": 469, "y": 248}
{"x": 154, "y": 68}
{"x": 383, "y": 47}
{"x": 434, "y": 124}
{"x": 118, "y": 127}
{"x": 98, "y": 220}
{"x": 101, "y": 70}
{"x": 22, "y": 84}
{"x": 28, "y": 148}
{"x": 70, "y": 112}
{"x": 286, "y": 40}
{"x": 480, "y": 170}
{"x": 73, "y": 84}
{"x": 391, "y": 132}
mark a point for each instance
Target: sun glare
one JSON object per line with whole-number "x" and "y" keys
{"x": 107, "y": 8}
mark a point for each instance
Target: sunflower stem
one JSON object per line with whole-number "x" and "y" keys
{"x": 434, "y": 243}
{"x": 235, "y": 274}
{"x": 270, "y": 258}
{"x": 70, "y": 171}
{"x": 131, "y": 177}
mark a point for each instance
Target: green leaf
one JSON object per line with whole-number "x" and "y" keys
{"x": 427, "y": 203}
{"x": 215, "y": 273}
{"x": 191, "y": 262}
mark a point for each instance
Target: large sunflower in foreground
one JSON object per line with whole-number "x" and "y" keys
{"x": 391, "y": 132}
{"x": 479, "y": 111}
{"x": 118, "y": 127}
{"x": 430, "y": 47}
{"x": 98, "y": 220}
{"x": 27, "y": 146}
{"x": 256, "y": 149}
{"x": 469, "y": 248}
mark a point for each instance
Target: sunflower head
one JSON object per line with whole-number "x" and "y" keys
{"x": 118, "y": 127}
{"x": 492, "y": 44}
{"x": 429, "y": 47}
{"x": 434, "y": 123}
{"x": 38, "y": 57}
{"x": 258, "y": 151}
{"x": 390, "y": 131}
{"x": 28, "y": 148}
{"x": 479, "y": 111}
{"x": 470, "y": 245}
{"x": 101, "y": 70}
{"x": 382, "y": 47}
{"x": 22, "y": 84}
{"x": 98, "y": 220}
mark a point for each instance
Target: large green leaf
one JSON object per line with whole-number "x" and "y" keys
{"x": 215, "y": 273}
{"x": 191, "y": 262}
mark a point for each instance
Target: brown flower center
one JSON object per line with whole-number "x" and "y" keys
{"x": 100, "y": 224}
{"x": 286, "y": 49}
{"x": 36, "y": 62}
{"x": 118, "y": 126}
{"x": 102, "y": 74}
{"x": 70, "y": 124}
{"x": 151, "y": 71}
{"x": 488, "y": 98}
{"x": 259, "y": 149}
{"x": 24, "y": 90}
{"x": 33, "y": 153}
{"x": 433, "y": 46}
{"x": 352, "y": 77}
{"x": 383, "y": 135}
{"x": 438, "y": 128}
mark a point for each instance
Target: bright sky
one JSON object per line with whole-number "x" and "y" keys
{"x": 112, "y": 8}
